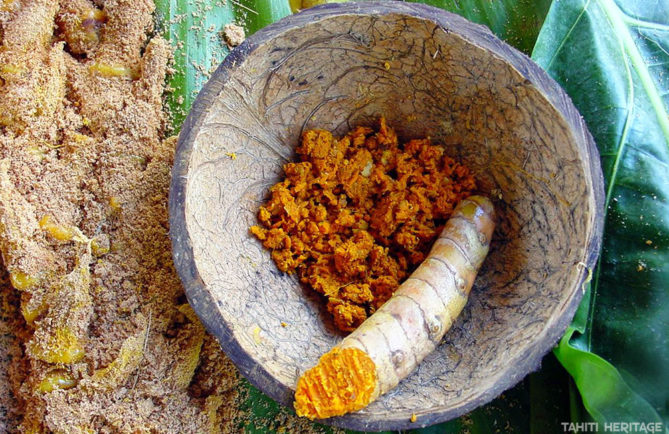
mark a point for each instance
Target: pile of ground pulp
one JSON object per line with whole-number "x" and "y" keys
{"x": 356, "y": 215}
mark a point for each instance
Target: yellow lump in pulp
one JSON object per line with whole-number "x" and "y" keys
{"x": 341, "y": 382}
{"x": 190, "y": 341}
{"x": 61, "y": 339}
{"x": 62, "y": 347}
{"x": 57, "y": 379}
{"x": 59, "y": 232}
{"x": 31, "y": 310}
{"x": 115, "y": 203}
{"x": 91, "y": 21}
{"x": 118, "y": 371}
{"x": 21, "y": 280}
{"x": 211, "y": 406}
{"x": 107, "y": 70}
{"x": 100, "y": 246}
{"x": 10, "y": 69}
{"x": 7, "y": 5}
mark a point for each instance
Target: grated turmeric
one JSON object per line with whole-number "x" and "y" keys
{"x": 355, "y": 215}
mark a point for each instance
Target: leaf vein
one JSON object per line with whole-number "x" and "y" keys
{"x": 567, "y": 35}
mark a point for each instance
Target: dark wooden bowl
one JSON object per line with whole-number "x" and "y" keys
{"x": 431, "y": 73}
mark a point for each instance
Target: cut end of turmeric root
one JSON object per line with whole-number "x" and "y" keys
{"x": 344, "y": 380}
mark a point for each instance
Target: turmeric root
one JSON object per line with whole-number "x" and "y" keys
{"x": 389, "y": 345}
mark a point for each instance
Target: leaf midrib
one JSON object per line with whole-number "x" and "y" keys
{"x": 619, "y": 22}
{"x": 631, "y": 56}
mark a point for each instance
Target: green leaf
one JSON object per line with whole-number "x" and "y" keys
{"x": 514, "y": 21}
{"x": 256, "y": 14}
{"x": 195, "y": 30}
{"x": 604, "y": 392}
{"x": 613, "y": 60}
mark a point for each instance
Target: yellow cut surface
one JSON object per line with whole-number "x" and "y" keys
{"x": 341, "y": 382}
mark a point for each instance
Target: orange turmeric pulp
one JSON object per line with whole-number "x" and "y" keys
{"x": 354, "y": 216}
{"x": 343, "y": 381}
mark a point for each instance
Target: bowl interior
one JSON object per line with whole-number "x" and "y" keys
{"x": 430, "y": 76}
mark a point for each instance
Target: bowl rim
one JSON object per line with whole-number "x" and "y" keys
{"x": 475, "y": 34}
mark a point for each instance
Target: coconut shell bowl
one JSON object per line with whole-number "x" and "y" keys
{"x": 430, "y": 73}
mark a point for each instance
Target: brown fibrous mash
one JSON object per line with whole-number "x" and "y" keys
{"x": 107, "y": 340}
{"x": 355, "y": 215}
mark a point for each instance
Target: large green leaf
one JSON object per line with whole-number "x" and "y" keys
{"x": 514, "y": 21}
{"x": 613, "y": 60}
{"x": 195, "y": 30}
